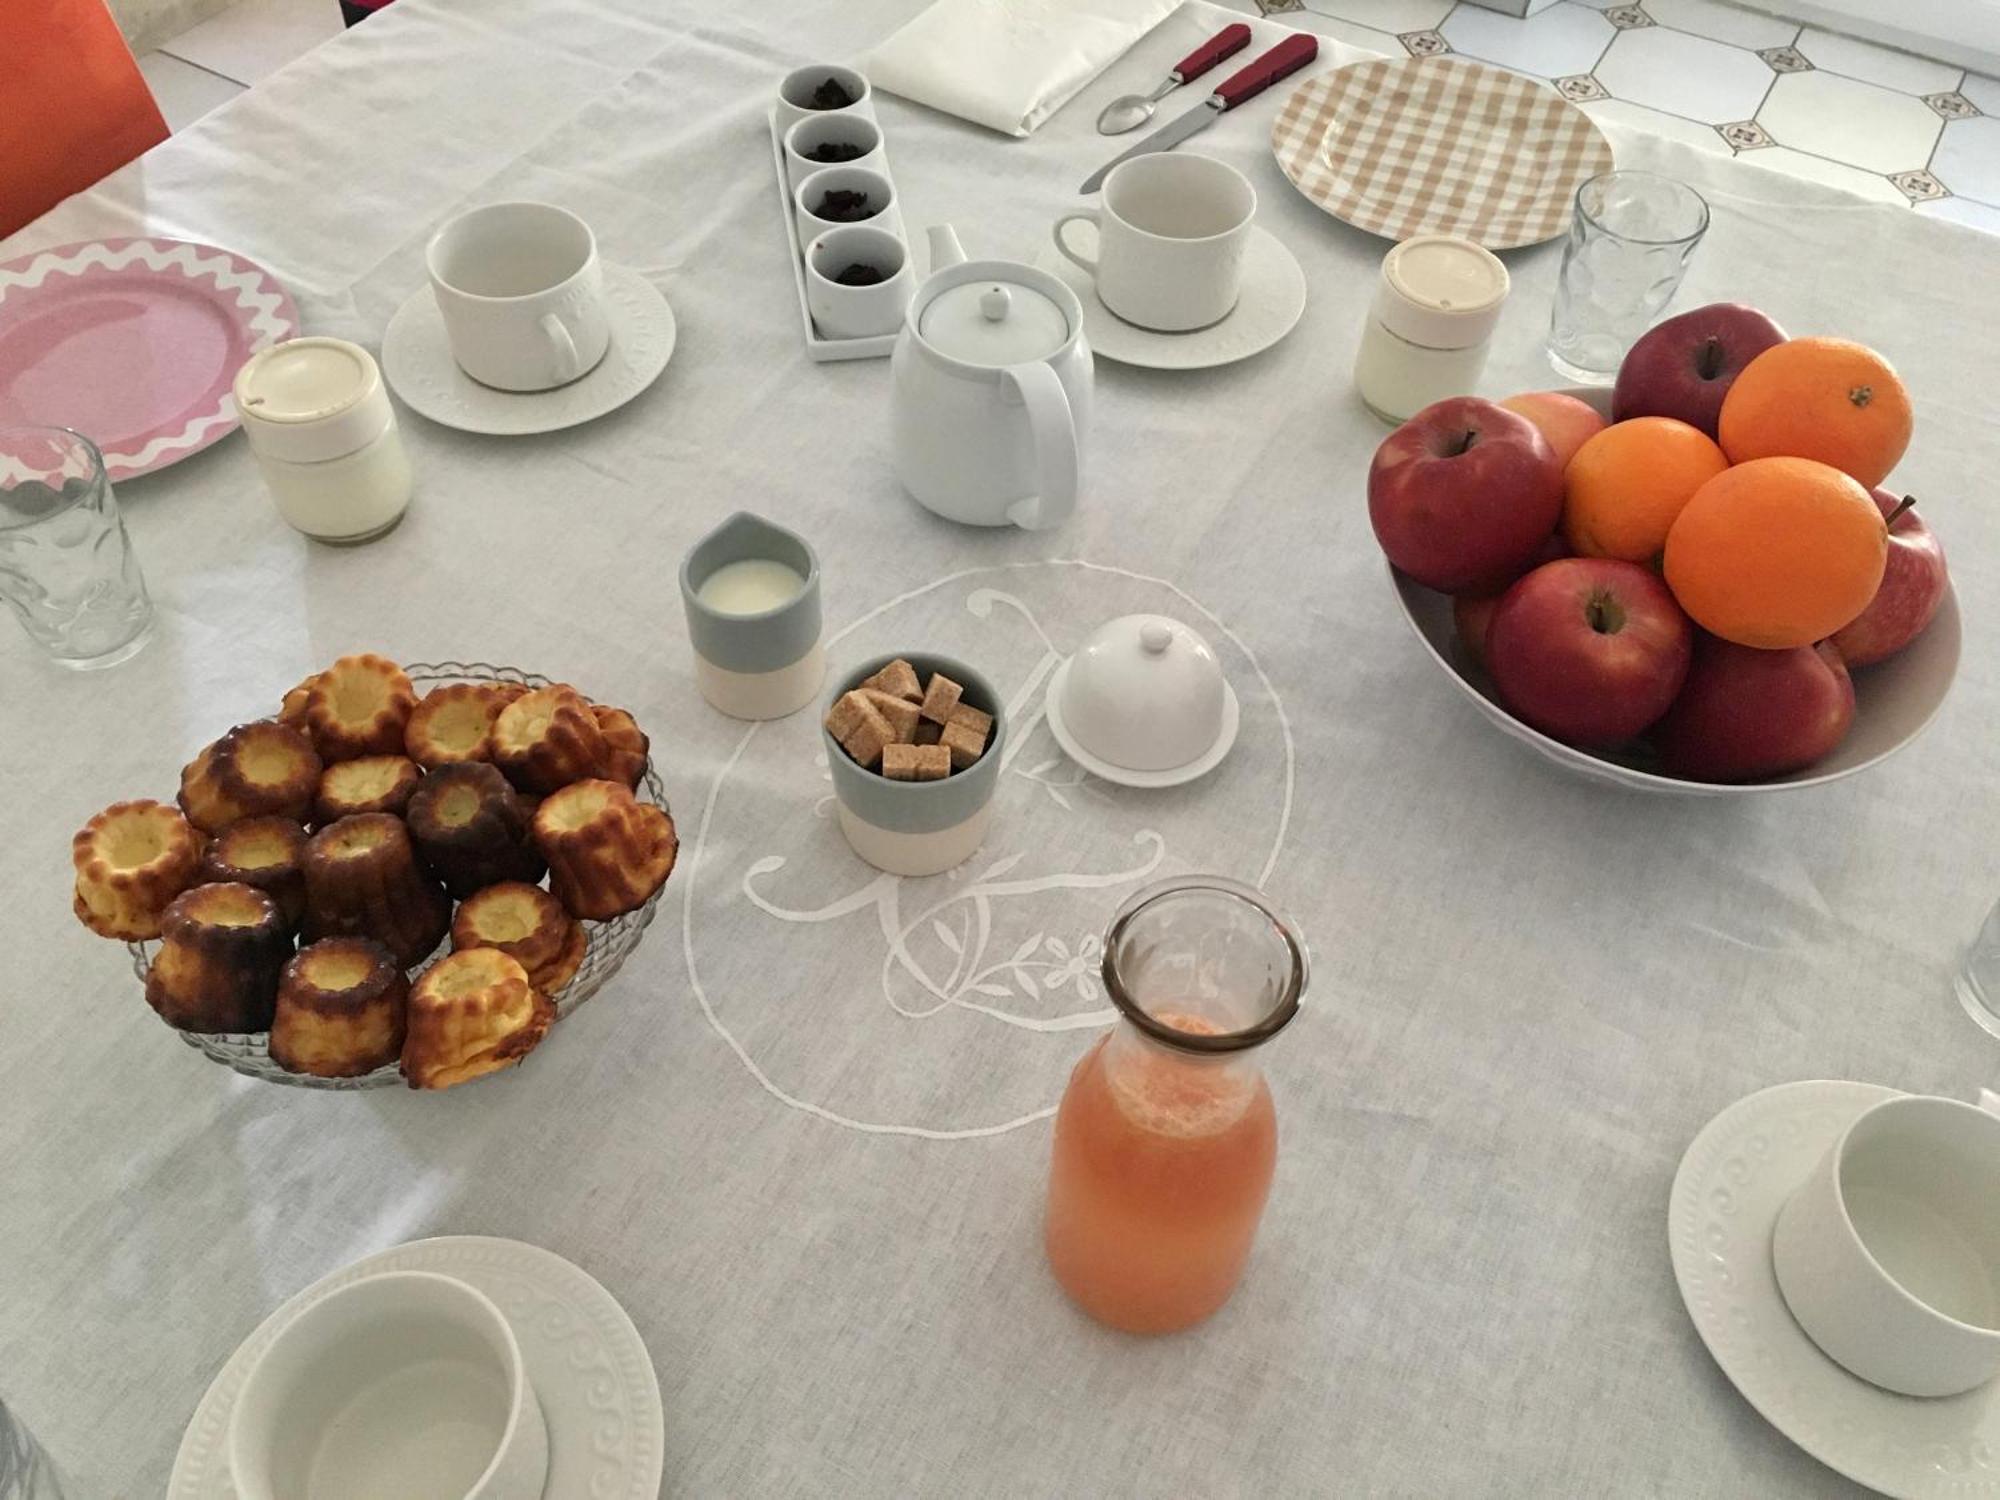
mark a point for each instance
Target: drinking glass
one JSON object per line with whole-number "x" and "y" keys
{"x": 1629, "y": 245}
{"x": 25, "y": 1470}
{"x": 66, "y": 566}
{"x": 1979, "y": 975}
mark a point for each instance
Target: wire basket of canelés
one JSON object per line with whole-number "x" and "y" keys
{"x": 406, "y": 875}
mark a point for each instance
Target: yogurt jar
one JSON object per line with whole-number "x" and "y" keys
{"x": 1432, "y": 321}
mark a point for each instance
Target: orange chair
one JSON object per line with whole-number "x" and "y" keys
{"x": 73, "y": 105}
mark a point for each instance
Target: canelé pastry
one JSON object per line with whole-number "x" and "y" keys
{"x": 268, "y": 853}
{"x": 131, "y": 860}
{"x": 373, "y": 783}
{"x": 292, "y": 710}
{"x": 471, "y": 829}
{"x": 341, "y": 1009}
{"x": 528, "y": 925}
{"x": 221, "y": 947}
{"x": 359, "y": 706}
{"x": 363, "y": 880}
{"x": 607, "y": 851}
{"x": 547, "y": 738}
{"x": 254, "y": 771}
{"x": 453, "y": 724}
{"x": 625, "y": 745}
{"x": 472, "y": 1013}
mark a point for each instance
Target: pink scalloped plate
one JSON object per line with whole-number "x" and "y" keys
{"x": 134, "y": 343}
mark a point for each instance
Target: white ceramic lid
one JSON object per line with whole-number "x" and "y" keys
{"x": 1145, "y": 693}
{"x": 994, "y": 323}
{"x": 1441, "y": 291}
{"x": 312, "y": 399}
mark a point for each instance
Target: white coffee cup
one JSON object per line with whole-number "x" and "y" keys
{"x": 837, "y": 128}
{"x": 1888, "y": 1254}
{"x": 840, "y": 311}
{"x": 404, "y": 1383}
{"x": 522, "y": 295}
{"x": 1170, "y": 240}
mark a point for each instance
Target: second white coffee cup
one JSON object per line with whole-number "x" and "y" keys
{"x": 522, "y": 294}
{"x": 1170, "y": 240}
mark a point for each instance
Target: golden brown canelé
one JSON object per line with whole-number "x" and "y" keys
{"x": 292, "y": 710}
{"x": 341, "y": 1010}
{"x": 360, "y": 706}
{"x": 221, "y": 947}
{"x": 268, "y": 853}
{"x": 625, "y": 745}
{"x": 256, "y": 770}
{"x": 547, "y": 738}
{"x": 363, "y": 880}
{"x": 471, "y": 829}
{"x": 131, "y": 860}
{"x": 607, "y": 851}
{"x": 528, "y": 925}
{"x": 472, "y": 1013}
{"x": 453, "y": 725}
{"x": 372, "y": 783}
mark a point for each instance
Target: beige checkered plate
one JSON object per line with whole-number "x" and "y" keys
{"x": 1439, "y": 145}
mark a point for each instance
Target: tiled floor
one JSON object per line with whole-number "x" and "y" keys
{"x": 1881, "y": 123}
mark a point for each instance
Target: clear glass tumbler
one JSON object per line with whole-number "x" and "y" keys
{"x": 1979, "y": 975}
{"x": 1629, "y": 245}
{"x": 66, "y": 566}
{"x": 25, "y": 1470}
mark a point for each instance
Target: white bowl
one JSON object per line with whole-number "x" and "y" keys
{"x": 1894, "y": 700}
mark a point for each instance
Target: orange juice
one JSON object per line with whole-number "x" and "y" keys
{"x": 1161, "y": 1165}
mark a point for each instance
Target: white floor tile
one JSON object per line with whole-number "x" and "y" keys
{"x": 1656, "y": 122}
{"x": 1963, "y": 211}
{"x": 1968, "y": 159}
{"x": 1392, "y": 16}
{"x": 1723, "y": 23}
{"x": 1685, "y": 75}
{"x": 1832, "y": 173}
{"x": 184, "y": 92}
{"x": 1875, "y": 64}
{"x": 1366, "y": 37}
{"x": 1828, "y": 115}
{"x": 1562, "y": 39}
{"x": 255, "y": 38}
{"x": 1984, "y": 92}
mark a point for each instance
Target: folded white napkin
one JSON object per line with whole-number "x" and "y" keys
{"x": 1009, "y": 64}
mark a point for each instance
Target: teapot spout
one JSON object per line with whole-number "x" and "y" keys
{"x": 945, "y": 248}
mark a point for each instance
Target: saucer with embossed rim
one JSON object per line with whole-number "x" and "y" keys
{"x": 589, "y": 1367}
{"x": 1733, "y": 1180}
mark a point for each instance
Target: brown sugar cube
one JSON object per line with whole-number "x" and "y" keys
{"x": 964, "y": 744}
{"x": 869, "y": 736}
{"x": 940, "y": 698}
{"x": 900, "y": 712}
{"x": 845, "y": 714}
{"x": 933, "y": 761}
{"x": 965, "y": 713}
{"x": 929, "y": 733}
{"x": 898, "y": 680}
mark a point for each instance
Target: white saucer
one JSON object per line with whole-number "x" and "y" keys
{"x": 1121, "y": 775}
{"x": 416, "y": 359}
{"x": 1726, "y": 1197}
{"x": 590, "y": 1369}
{"x": 1273, "y": 298}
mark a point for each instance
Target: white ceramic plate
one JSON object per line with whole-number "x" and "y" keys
{"x": 1894, "y": 701}
{"x": 1121, "y": 775}
{"x": 590, "y": 1369}
{"x": 1272, "y": 300}
{"x": 416, "y": 358}
{"x": 1726, "y": 1196}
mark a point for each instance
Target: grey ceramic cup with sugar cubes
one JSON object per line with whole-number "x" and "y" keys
{"x": 758, "y": 663}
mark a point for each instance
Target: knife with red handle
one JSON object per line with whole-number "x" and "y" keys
{"x": 1244, "y": 84}
{"x": 1225, "y": 43}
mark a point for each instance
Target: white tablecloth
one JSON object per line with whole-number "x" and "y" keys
{"x": 820, "y": 1203}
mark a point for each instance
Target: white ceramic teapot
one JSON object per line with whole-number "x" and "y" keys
{"x": 992, "y": 391}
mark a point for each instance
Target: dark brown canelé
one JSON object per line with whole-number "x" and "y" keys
{"x": 265, "y": 852}
{"x": 471, "y": 829}
{"x": 221, "y": 947}
{"x": 342, "y": 1009}
{"x": 363, "y": 880}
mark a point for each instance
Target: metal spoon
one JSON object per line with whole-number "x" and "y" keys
{"x": 1131, "y": 111}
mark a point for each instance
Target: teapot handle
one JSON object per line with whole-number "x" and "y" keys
{"x": 1058, "y": 457}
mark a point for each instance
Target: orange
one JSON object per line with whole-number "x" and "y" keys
{"x": 1626, "y": 484}
{"x": 1829, "y": 399}
{"x": 1777, "y": 552}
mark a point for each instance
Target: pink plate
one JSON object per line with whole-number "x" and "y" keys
{"x": 134, "y": 343}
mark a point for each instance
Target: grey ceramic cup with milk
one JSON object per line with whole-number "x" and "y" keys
{"x": 750, "y": 590}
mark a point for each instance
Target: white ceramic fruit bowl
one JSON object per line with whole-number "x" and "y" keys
{"x": 1894, "y": 700}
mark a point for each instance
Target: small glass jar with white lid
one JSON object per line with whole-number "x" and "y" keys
{"x": 319, "y": 422}
{"x": 1435, "y": 309}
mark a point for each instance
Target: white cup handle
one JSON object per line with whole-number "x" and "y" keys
{"x": 1058, "y": 456}
{"x": 569, "y": 364}
{"x": 1088, "y": 214}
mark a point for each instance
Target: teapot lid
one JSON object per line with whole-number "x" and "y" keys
{"x": 994, "y": 323}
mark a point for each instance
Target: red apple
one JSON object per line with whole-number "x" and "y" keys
{"x": 1472, "y": 612}
{"x": 1911, "y": 590}
{"x": 1463, "y": 491}
{"x": 1685, "y": 366}
{"x": 1746, "y": 713}
{"x": 1588, "y": 649}
{"x": 1561, "y": 418}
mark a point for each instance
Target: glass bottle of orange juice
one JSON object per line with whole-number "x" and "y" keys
{"x": 1166, "y": 1139}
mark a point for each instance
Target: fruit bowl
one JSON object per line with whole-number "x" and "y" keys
{"x": 1895, "y": 700}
